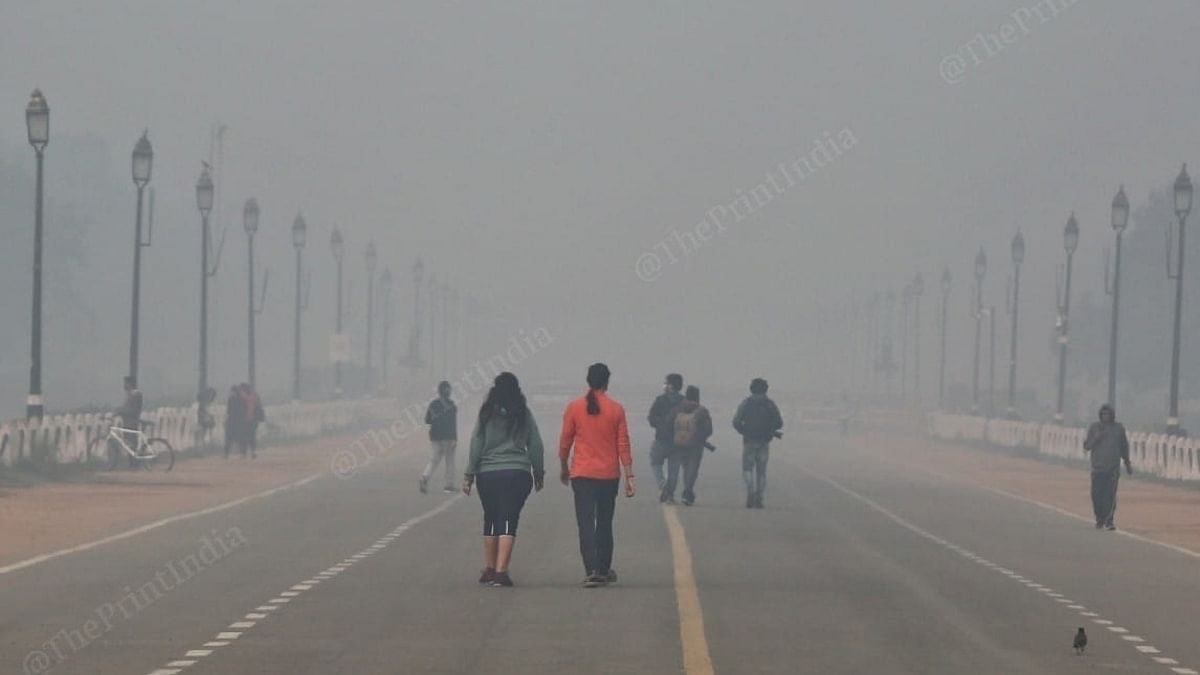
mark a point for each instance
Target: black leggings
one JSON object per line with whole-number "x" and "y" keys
{"x": 503, "y": 495}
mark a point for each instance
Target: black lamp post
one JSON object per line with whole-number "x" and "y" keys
{"x": 337, "y": 245}
{"x": 250, "y": 223}
{"x": 143, "y": 162}
{"x": 385, "y": 290}
{"x": 906, "y": 296}
{"x": 1018, "y": 259}
{"x": 37, "y": 124}
{"x": 1183, "y": 205}
{"x": 299, "y": 234}
{"x": 918, "y": 289}
{"x": 1120, "y": 219}
{"x": 414, "y": 342}
{"x": 371, "y": 258}
{"x": 204, "y": 202}
{"x": 433, "y": 310}
{"x": 945, "y": 316}
{"x": 1070, "y": 243}
{"x": 980, "y": 272}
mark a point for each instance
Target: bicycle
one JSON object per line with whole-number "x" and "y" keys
{"x": 151, "y": 453}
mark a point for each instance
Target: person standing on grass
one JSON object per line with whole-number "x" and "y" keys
{"x": 659, "y": 417}
{"x": 506, "y": 462}
{"x": 442, "y": 418}
{"x": 593, "y": 448}
{"x": 1109, "y": 446}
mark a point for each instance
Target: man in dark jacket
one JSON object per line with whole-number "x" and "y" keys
{"x": 691, "y": 426}
{"x": 758, "y": 421}
{"x": 442, "y": 418}
{"x": 1109, "y": 446}
{"x": 659, "y": 419}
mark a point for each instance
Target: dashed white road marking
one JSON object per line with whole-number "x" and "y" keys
{"x": 225, "y": 638}
{"x": 1144, "y": 649}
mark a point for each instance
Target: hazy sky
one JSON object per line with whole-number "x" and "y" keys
{"x": 535, "y": 151}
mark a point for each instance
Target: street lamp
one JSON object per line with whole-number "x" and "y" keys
{"x": 906, "y": 297}
{"x": 1070, "y": 243}
{"x": 945, "y": 315}
{"x": 918, "y": 289}
{"x": 204, "y": 202}
{"x": 1120, "y": 219}
{"x": 37, "y": 124}
{"x": 337, "y": 245}
{"x": 1018, "y": 260}
{"x": 143, "y": 161}
{"x": 299, "y": 234}
{"x": 414, "y": 341}
{"x": 980, "y": 272}
{"x": 250, "y": 223}
{"x": 372, "y": 258}
{"x": 385, "y": 288}
{"x": 431, "y": 293}
{"x": 1183, "y": 205}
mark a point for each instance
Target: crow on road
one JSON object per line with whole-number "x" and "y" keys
{"x": 1080, "y": 642}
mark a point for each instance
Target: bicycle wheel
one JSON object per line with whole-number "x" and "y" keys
{"x": 158, "y": 455}
{"x": 102, "y": 452}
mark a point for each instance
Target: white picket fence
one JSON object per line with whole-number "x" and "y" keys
{"x": 68, "y": 436}
{"x": 1155, "y": 454}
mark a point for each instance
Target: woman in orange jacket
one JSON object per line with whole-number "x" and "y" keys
{"x": 594, "y": 451}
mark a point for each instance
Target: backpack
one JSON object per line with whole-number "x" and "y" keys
{"x": 758, "y": 419}
{"x": 686, "y": 428}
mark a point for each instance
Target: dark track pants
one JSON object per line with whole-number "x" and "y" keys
{"x": 1104, "y": 495}
{"x": 595, "y": 503}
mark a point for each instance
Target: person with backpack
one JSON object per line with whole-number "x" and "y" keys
{"x": 659, "y": 419}
{"x": 691, "y": 426}
{"x": 758, "y": 421}
{"x": 442, "y": 418}
{"x": 594, "y": 449}
{"x": 507, "y": 463}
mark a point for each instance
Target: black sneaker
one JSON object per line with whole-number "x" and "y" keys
{"x": 688, "y": 501}
{"x": 501, "y": 579}
{"x": 1099, "y": 526}
{"x": 594, "y": 580}
{"x": 758, "y": 502}
{"x": 750, "y": 503}
{"x": 424, "y": 485}
{"x": 1110, "y": 527}
{"x": 488, "y": 575}
{"x": 611, "y": 577}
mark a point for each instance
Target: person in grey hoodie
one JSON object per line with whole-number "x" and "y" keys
{"x": 758, "y": 421}
{"x": 506, "y": 462}
{"x": 1109, "y": 446}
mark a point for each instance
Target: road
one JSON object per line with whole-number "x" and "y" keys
{"x": 857, "y": 565}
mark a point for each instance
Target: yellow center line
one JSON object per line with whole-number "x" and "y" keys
{"x": 696, "y": 659}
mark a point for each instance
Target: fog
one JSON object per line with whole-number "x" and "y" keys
{"x": 534, "y": 155}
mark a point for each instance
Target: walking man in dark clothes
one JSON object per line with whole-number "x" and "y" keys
{"x": 1109, "y": 446}
{"x": 758, "y": 421}
{"x": 691, "y": 426}
{"x": 659, "y": 418}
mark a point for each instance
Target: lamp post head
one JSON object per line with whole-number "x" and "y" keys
{"x": 418, "y": 272}
{"x": 1018, "y": 249}
{"x": 1071, "y": 235}
{"x": 980, "y": 265}
{"x": 250, "y": 216}
{"x": 336, "y": 244}
{"x": 204, "y": 191}
{"x": 1120, "y": 211}
{"x": 143, "y": 160}
{"x": 918, "y": 285}
{"x": 372, "y": 257}
{"x": 37, "y": 120}
{"x": 945, "y": 281}
{"x": 1183, "y": 193}
{"x": 299, "y": 231}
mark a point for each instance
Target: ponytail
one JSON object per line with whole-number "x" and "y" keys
{"x": 597, "y": 378}
{"x": 593, "y": 406}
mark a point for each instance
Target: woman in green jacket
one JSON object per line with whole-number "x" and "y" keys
{"x": 506, "y": 462}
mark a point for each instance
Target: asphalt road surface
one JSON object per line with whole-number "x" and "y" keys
{"x": 855, "y": 566}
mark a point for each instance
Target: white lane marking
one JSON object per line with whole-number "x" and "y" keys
{"x": 223, "y": 637}
{"x": 180, "y": 664}
{"x": 899, "y": 520}
{"x": 166, "y": 671}
{"x": 256, "y": 616}
{"x": 1165, "y": 661}
{"x": 1133, "y": 638}
{"x": 152, "y": 526}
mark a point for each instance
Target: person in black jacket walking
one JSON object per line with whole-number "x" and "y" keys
{"x": 1109, "y": 447}
{"x": 659, "y": 419}
{"x": 758, "y": 421}
{"x": 442, "y": 418}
